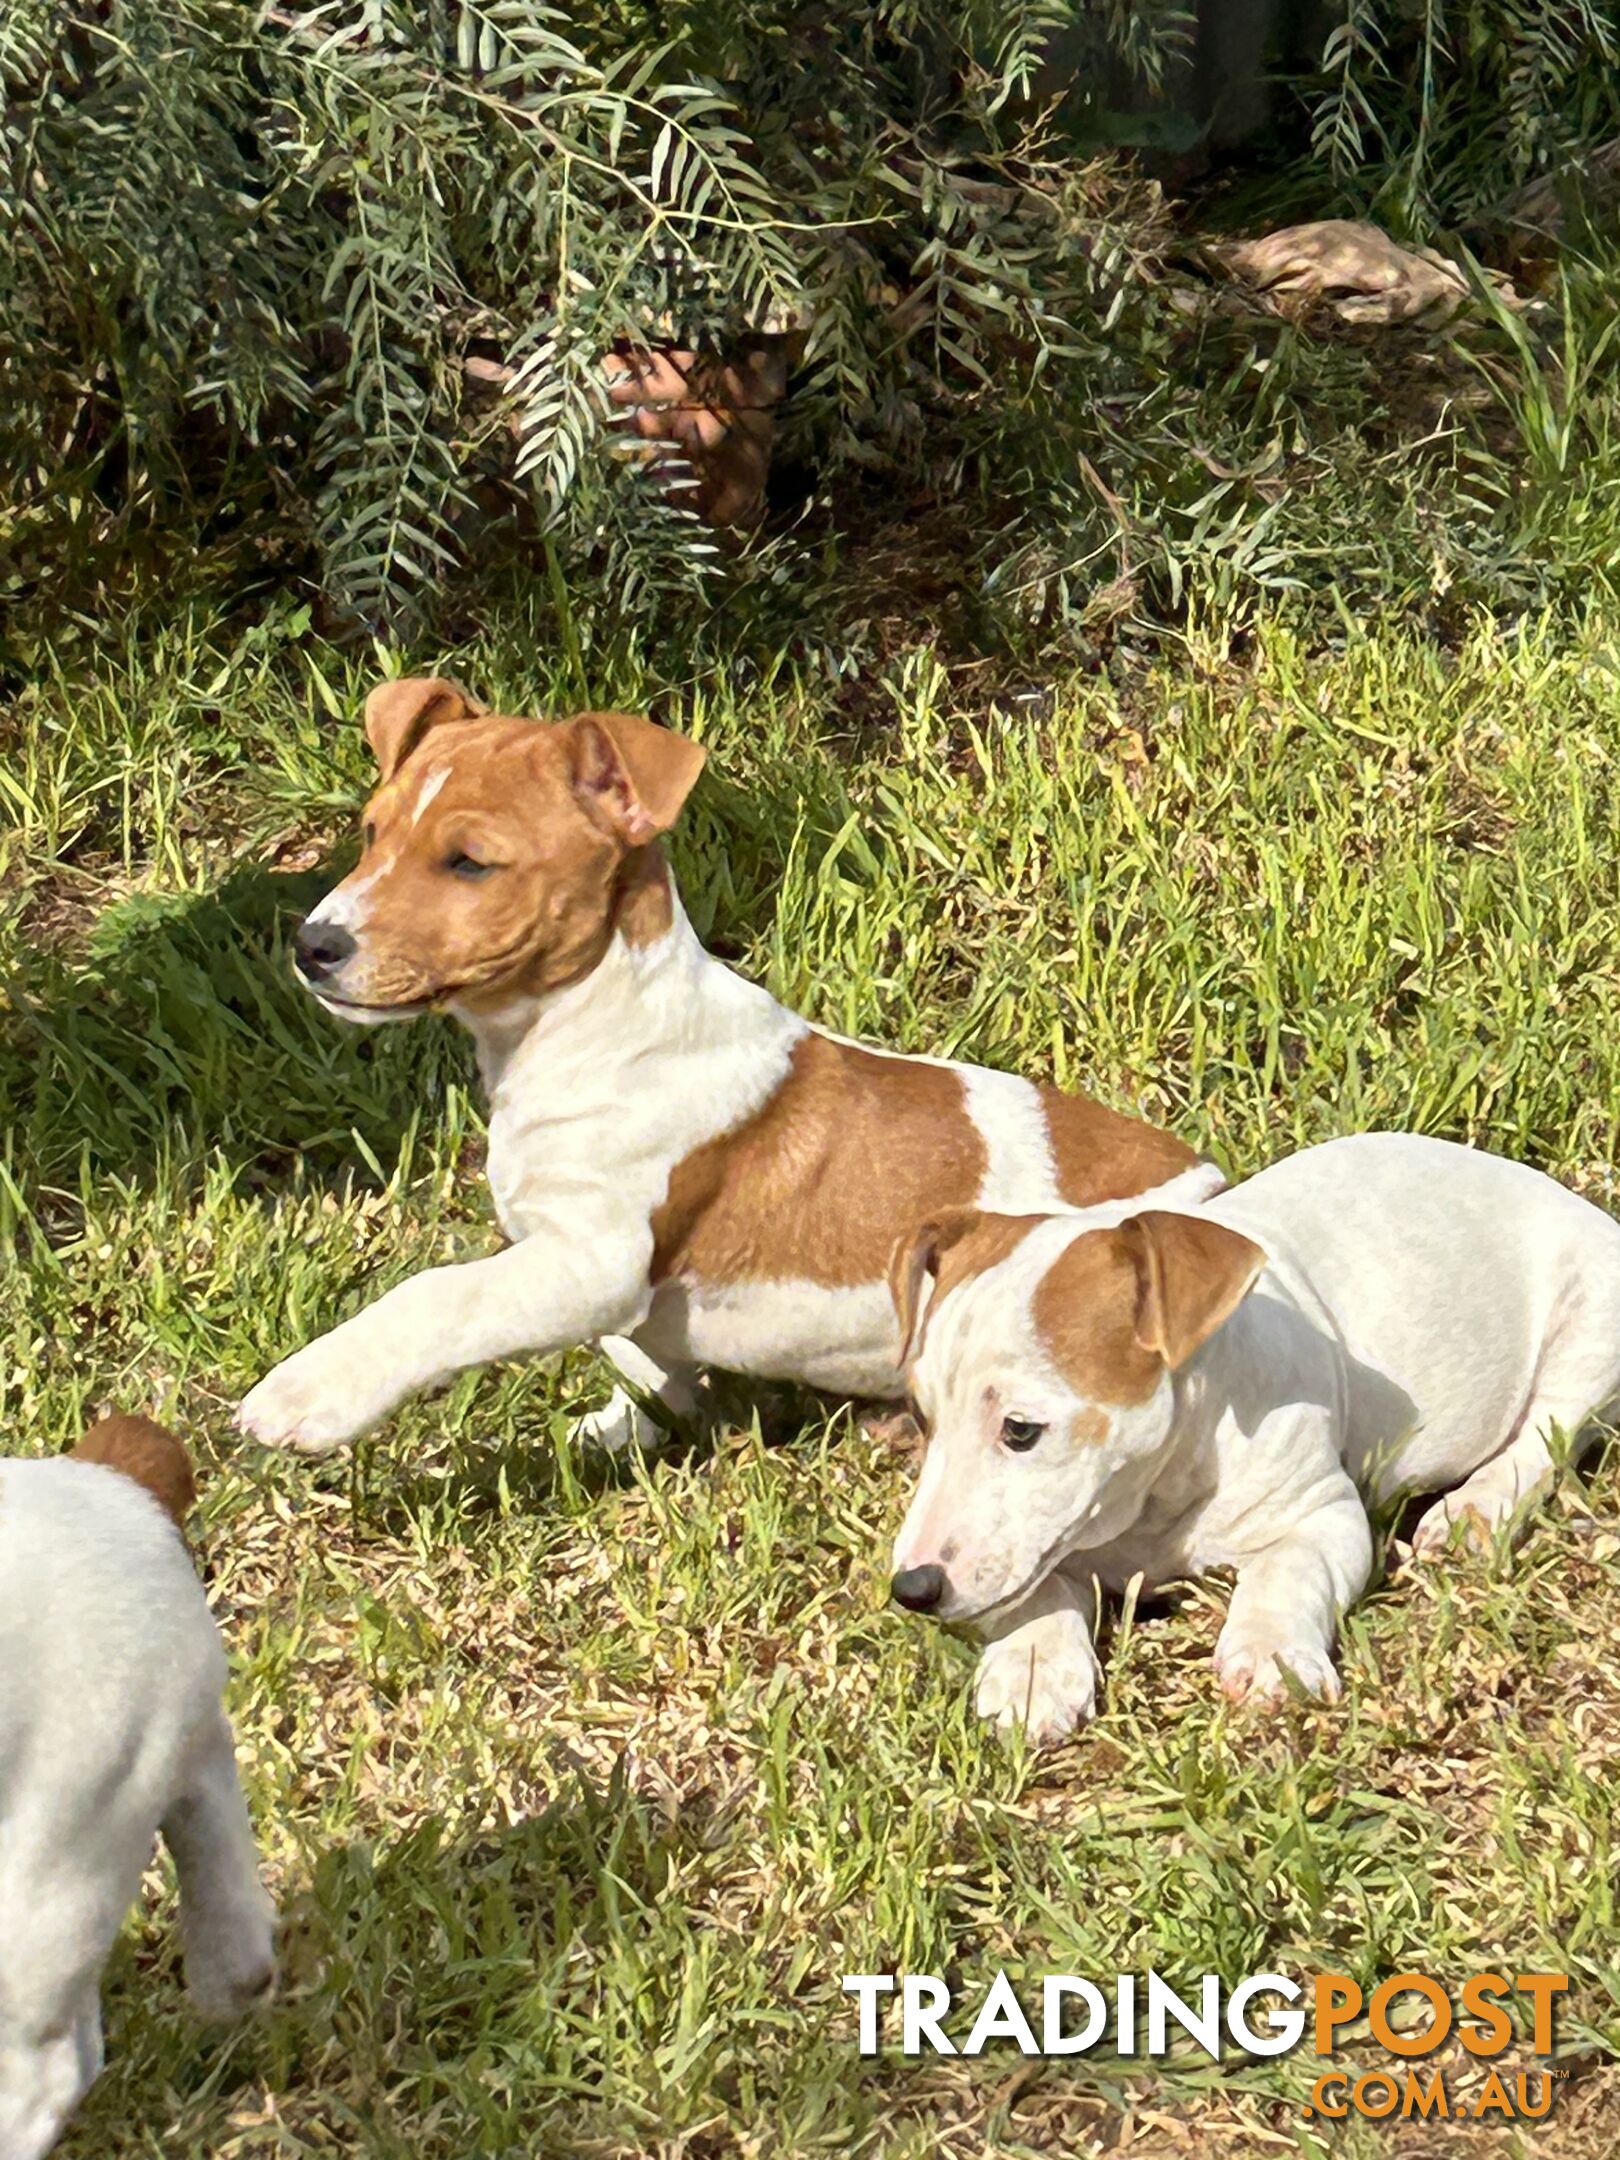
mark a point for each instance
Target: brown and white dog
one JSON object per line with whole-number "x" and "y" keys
{"x": 1158, "y": 1391}
{"x": 689, "y": 1174}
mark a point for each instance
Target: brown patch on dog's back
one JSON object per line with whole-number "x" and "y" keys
{"x": 149, "y": 1453}
{"x": 1103, "y": 1155}
{"x": 1085, "y": 1310}
{"x": 818, "y": 1185}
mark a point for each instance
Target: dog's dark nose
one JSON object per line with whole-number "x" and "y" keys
{"x": 918, "y": 1589}
{"x": 321, "y": 949}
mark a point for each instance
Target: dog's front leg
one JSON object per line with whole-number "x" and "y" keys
{"x": 1040, "y": 1668}
{"x": 557, "y": 1288}
{"x": 1286, "y": 1605}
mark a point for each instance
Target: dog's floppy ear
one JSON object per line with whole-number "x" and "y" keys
{"x": 1191, "y": 1273}
{"x": 147, "y": 1452}
{"x": 914, "y": 1270}
{"x": 632, "y": 773}
{"x": 400, "y": 713}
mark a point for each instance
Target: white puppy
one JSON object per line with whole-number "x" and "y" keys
{"x": 1163, "y": 1391}
{"x": 111, "y": 1727}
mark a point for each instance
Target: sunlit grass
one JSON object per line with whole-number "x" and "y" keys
{"x": 581, "y": 1786}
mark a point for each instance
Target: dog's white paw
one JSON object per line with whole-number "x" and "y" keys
{"x": 314, "y": 1401}
{"x": 230, "y": 1962}
{"x": 1479, "y": 1525}
{"x": 1251, "y": 1669}
{"x": 620, "y": 1424}
{"x": 1043, "y": 1677}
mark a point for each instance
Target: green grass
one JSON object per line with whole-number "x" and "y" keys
{"x": 581, "y": 1785}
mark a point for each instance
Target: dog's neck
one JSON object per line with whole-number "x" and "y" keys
{"x": 1173, "y": 1491}
{"x": 644, "y": 998}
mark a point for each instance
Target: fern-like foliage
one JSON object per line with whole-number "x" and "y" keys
{"x": 1437, "y": 109}
{"x": 248, "y": 248}
{"x": 297, "y": 221}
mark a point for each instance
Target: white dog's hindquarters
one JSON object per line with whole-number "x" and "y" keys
{"x": 1476, "y": 1303}
{"x": 111, "y": 1727}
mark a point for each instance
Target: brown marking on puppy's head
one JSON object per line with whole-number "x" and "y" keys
{"x": 1085, "y": 1309}
{"x": 934, "y": 1258}
{"x": 1046, "y": 1383}
{"x": 147, "y": 1452}
{"x": 1118, "y": 1306}
{"x": 398, "y": 715}
{"x": 500, "y": 856}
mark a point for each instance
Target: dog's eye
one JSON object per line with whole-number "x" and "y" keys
{"x": 369, "y": 835}
{"x": 1020, "y": 1434}
{"x": 468, "y": 866}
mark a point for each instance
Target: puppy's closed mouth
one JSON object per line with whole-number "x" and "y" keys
{"x": 998, "y": 1606}
{"x": 1056, "y": 1552}
{"x": 404, "y": 1009}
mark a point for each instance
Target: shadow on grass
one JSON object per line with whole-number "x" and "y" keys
{"x": 180, "y": 1030}
{"x": 474, "y": 1480}
{"x": 484, "y": 1480}
{"x": 453, "y": 1980}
